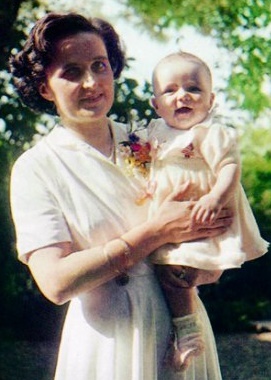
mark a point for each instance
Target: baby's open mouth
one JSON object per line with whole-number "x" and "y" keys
{"x": 183, "y": 110}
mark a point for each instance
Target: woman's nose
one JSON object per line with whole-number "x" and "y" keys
{"x": 89, "y": 80}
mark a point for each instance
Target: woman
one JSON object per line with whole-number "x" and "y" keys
{"x": 79, "y": 227}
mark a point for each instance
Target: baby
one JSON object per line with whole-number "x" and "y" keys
{"x": 191, "y": 144}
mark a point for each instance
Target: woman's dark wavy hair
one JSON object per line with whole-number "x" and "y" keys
{"x": 29, "y": 65}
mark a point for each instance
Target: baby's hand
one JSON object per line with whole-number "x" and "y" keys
{"x": 206, "y": 209}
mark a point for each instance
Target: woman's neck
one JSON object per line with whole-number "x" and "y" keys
{"x": 99, "y": 135}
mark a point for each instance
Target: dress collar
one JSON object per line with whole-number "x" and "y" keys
{"x": 65, "y": 138}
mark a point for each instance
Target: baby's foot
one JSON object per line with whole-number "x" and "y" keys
{"x": 188, "y": 342}
{"x": 180, "y": 352}
{"x": 187, "y": 348}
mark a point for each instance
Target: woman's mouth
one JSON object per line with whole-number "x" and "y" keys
{"x": 92, "y": 99}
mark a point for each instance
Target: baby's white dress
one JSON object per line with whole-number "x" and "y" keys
{"x": 64, "y": 190}
{"x": 196, "y": 155}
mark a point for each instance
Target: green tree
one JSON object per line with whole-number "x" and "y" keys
{"x": 242, "y": 26}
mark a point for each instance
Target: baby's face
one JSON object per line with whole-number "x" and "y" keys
{"x": 183, "y": 92}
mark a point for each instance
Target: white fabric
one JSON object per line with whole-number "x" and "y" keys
{"x": 64, "y": 190}
{"x": 196, "y": 155}
{"x": 55, "y": 187}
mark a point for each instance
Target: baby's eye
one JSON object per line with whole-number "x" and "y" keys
{"x": 169, "y": 91}
{"x": 194, "y": 89}
{"x": 99, "y": 66}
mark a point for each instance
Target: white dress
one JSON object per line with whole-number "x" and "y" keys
{"x": 64, "y": 190}
{"x": 196, "y": 155}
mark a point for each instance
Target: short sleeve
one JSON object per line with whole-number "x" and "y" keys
{"x": 37, "y": 217}
{"x": 220, "y": 147}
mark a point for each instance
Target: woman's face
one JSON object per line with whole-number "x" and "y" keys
{"x": 80, "y": 80}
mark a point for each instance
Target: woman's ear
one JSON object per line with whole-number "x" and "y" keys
{"x": 46, "y": 92}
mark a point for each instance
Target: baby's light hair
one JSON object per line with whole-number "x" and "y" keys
{"x": 187, "y": 57}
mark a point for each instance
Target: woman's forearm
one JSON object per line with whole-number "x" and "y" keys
{"x": 62, "y": 274}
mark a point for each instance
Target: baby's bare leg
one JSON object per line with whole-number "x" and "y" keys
{"x": 177, "y": 283}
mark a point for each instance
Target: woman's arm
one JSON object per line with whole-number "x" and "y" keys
{"x": 62, "y": 274}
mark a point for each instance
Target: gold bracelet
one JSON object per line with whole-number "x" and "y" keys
{"x": 127, "y": 254}
{"x": 111, "y": 262}
{"x": 121, "y": 262}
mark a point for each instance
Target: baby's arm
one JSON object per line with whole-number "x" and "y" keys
{"x": 209, "y": 205}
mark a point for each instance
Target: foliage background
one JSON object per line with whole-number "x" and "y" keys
{"x": 243, "y": 28}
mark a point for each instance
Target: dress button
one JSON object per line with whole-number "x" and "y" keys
{"x": 122, "y": 280}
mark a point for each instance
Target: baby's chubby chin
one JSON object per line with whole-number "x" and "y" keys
{"x": 183, "y": 114}
{"x": 182, "y": 118}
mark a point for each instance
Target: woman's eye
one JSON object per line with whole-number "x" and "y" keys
{"x": 99, "y": 66}
{"x": 72, "y": 73}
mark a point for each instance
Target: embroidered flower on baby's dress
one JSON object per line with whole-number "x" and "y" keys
{"x": 188, "y": 151}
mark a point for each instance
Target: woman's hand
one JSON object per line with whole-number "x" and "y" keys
{"x": 174, "y": 221}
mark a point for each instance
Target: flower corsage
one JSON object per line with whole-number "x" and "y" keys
{"x": 135, "y": 160}
{"x": 136, "y": 155}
